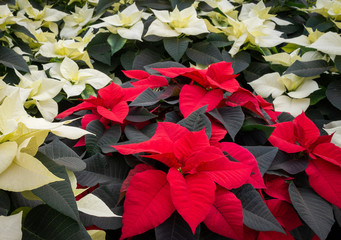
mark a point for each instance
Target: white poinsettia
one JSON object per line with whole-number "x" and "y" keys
{"x": 42, "y": 90}
{"x": 6, "y": 17}
{"x": 329, "y": 43}
{"x": 74, "y": 79}
{"x": 128, "y": 23}
{"x": 297, "y": 89}
{"x": 66, "y": 48}
{"x": 74, "y": 22}
{"x": 327, "y": 8}
{"x": 304, "y": 40}
{"x": 334, "y": 128}
{"x": 175, "y": 23}
{"x": 10, "y": 226}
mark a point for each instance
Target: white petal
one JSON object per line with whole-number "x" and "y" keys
{"x": 133, "y": 33}
{"x": 280, "y": 22}
{"x": 300, "y": 40}
{"x": 48, "y": 109}
{"x": 73, "y": 90}
{"x": 69, "y": 68}
{"x": 53, "y": 15}
{"x": 305, "y": 89}
{"x": 93, "y": 205}
{"x": 162, "y": 15}
{"x": 158, "y": 28}
{"x": 8, "y": 151}
{"x": 95, "y": 78}
{"x": 329, "y": 43}
{"x": 334, "y": 128}
{"x": 112, "y": 20}
{"x": 49, "y": 88}
{"x": 268, "y": 85}
{"x": 293, "y": 106}
{"x": 10, "y": 226}
{"x": 194, "y": 28}
{"x": 69, "y": 132}
{"x": 237, "y": 44}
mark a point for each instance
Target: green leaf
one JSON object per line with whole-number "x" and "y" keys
{"x": 264, "y": 156}
{"x": 232, "y": 118}
{"x": 103, "y": 5}
{"x": 146, "y": 57}
{"x": 316, "y": 212}
{"x": 256, "y": 214}
{"x": 116, "y": 43}
{"x": 250, "y": 125}
{"x": 61, "y": 154}
{"x": 11, "y": 59}
{"x": 176, "y": 47}
{"x": 147, "y": 98}
{"x": 240, "y": 61}
{"x": 218, "y": 39}
{"x": 127, "y": 60}
{"x": 308, "y": 69}
{"x": 5, "y": 203}
{"x": 333, "y": 94}
{"x": 139, "y": 114}
{"x": 204, "y": 53}
{"x": 22, "y": 29}
{"x": 182, "y": 4}
{"x": 197, "y": 120}
{"x": 102, "y": 138}
{"x": 317, "y": 96}
{"x": 337, "y": 62}
{"x": 58, "y": 195}
{"x": 44, "y": 222}
{"x": 100, "y": 49}
{"x": 88, "y": 91}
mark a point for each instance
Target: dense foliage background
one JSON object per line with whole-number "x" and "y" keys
{"x": 170, "y": 119}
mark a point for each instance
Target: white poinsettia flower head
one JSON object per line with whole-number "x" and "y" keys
{"x": 73, "y": 79}
{"x": 334, "y": 128}
{"x": 6, "y": 17}
{"x": 175, "y": 23}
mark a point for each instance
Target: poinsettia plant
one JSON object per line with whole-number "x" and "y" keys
{"x": 170, "y": 119}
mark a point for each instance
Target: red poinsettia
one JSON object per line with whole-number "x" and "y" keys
{"x": 189, "y": 185}
{"x": 109, "y": 105}
{"x": 324, "y": 169}
{"x": 217, "y": 75}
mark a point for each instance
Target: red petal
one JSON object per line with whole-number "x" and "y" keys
{"x": 137, "y": 169}
{"x": 274, "y": 235}
{"x": 284, "y": 213}
{"x": 194, "y": 97}
{"x": 277, "y": 187}
{"x": 226, "y": 173}
{"x": 192, "y": 195}
{"x": 151, "y": 82}
{"x": 226, "y": 215}
{"x": 189, "y": 143}
{"x": 166, "y": 158}
{"x": 81, "y": 106}
{"x": 218, "y": 132}
{"x": 244, "y": 156}
{"x": 111, "y": 94}
{"x": 284, "y": 138}
{"x": 329, "y": 152}
{"x": 325, "y": 179}
{"x": 147, "y": 204}
{"x": 87, "y": 118}
{"x": 305, "y": 130}
{"x": 220, "y": 75}
{"x": 137, "y": 74}
{"x": 174, "y": 71}
{"x": 116, "y": 114}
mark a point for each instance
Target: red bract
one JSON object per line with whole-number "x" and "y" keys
{"x": 145, "y": 80}
{"x": 195, "y": 167}
{"x": 324, "y": 169}
{"x": 217, "y": 75}
{"x": 110, "y": 104}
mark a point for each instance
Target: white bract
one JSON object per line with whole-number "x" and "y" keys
{"x": 10, "y": 226}
{"x": 42, "y": 90}
{"x": 334, "y": 128}
{"x": 6, "y": 17}
{"x": 175, "y": 23}
{"x": 128, "y": 23}
{"x": 74, "y": 79}
{"x": 297, "y": 89}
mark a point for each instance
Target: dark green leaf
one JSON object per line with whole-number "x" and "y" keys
{"x": 256, "y": 70}
{"x": 264, "y": 156}
{"x": 139, "y": 114}
{"x": 333, "y": 94}
{"x": 231, "y": 117}
{"x": 218, "y": 39}
{"x": 103, "y": 5}
{"x": 11, "y": 59}
{"x": 44, "y": 222}
{"x": 256, "y": 214}
{"x": 100, "y": 49}
{"x": 88, "y": 91}
{"x": 316, "y": 212}
{"x": 181, "y": 4}
{"x": 289, "y": 163}
{"x": 127, "y": 60}
{"x": 116, "y": 43}
{"x": 147, "y": 98}
{"x": 317, "y": 96}
{"x": 60, "y": 153}
{"x": 58, "y": 195}
{"x": 197, "y": 120}
{"x": 5, "y": 203}
{"x": 308, "y": 69}
{"x": 337, "y": 62}
{"x": 146, "y": 57}
{"x": 136, "y": 135}
{"x": 176, "y": 228}
{"x": 240, "y": 61}
{"x": 19, "y": 28}
{"x": 204, "y": 53}
{"x": 176, "y": 47}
